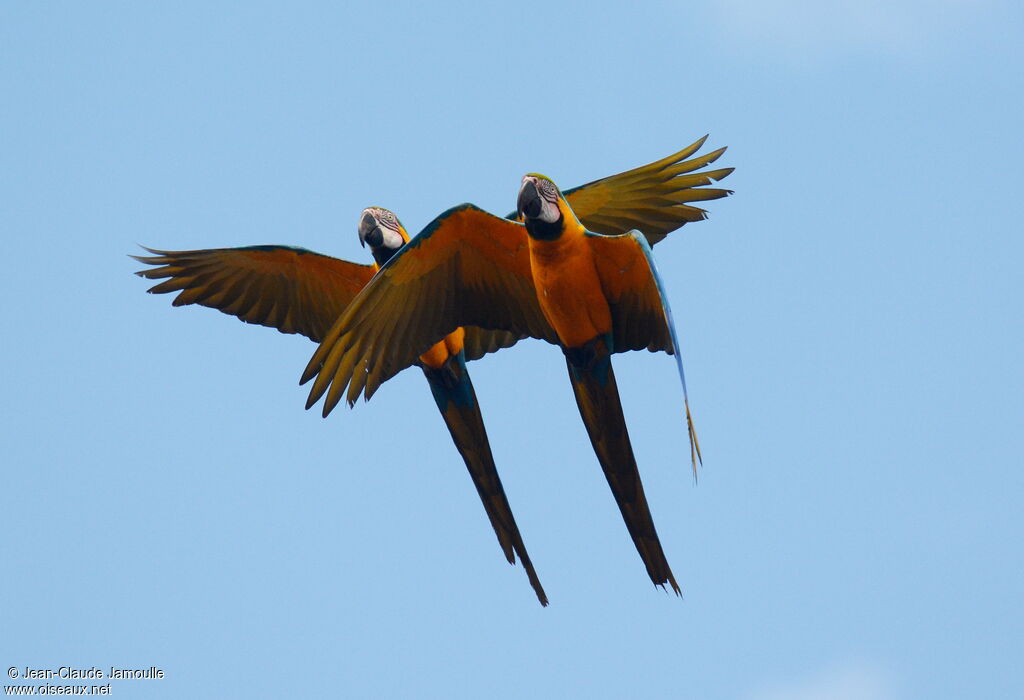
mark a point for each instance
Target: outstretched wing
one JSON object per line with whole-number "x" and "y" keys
{"x": 290, "y": 289}
{"x": 467, "y": 268}
{"x": 653, "y": 198}
{"x": 641, "y": 316}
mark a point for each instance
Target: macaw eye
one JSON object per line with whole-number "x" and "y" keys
{"x": 389, "y": 220}
{"x": 548, "y": 190}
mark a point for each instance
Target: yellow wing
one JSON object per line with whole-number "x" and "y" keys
{"x": 652, "y": 198}
{"x": 290, "y": 289}
{"x": 639, "y": 320}
{"x": 467, "y": 268}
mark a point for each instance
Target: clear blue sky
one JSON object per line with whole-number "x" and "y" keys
{"x": 851, "y": 322}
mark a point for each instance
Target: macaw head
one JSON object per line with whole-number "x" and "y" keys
{"x": 380, "y": 229}
{"x": 542, "y": 207}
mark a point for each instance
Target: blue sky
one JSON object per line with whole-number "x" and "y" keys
{"x": 850, "y": 320}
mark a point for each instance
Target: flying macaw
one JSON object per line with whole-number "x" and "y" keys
{"x": 299, "y": 291}
{"x": 550, "y": 278}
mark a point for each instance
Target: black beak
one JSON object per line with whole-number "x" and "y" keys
{"x": 369, "y": 232}
{"x": 529, "y": 203}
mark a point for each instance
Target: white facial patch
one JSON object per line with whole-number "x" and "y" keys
{"x": 389, "y": 227}
{"x": 548, "y": 192}
{"x": 549, "y": 213}
{"x": 392, "y": 239}
{"x": 549, "y": 202}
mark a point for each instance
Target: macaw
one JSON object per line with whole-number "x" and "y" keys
{"x": 550, "y": 278}
{"x": 299, "y": 291}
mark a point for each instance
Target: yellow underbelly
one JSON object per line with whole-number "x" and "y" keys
{"x": 569, "y": 290}
{"x": 438, "y": 354}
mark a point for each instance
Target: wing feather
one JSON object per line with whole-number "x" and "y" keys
{"x": 467, "y": 268}
{"x": 641, "y": 316}
{"x": 291, "y": 289}
{"x": 651, "y": 198}
{"x": 480, "y": 341}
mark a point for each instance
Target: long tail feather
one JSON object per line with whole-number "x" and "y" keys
{"x": 597, "y": 396}
{"x": 456, "y": 399}
{"x": 695, "y": 456}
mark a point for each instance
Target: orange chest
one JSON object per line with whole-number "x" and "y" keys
{"x": 569, "y": 290}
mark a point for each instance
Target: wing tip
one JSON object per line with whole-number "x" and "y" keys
{"x": 721, "y": 174}
{"x": 329, "y": 405}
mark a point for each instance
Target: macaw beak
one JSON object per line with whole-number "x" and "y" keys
{"x": 369, "y": 232}
{"x": 529, "y": 203}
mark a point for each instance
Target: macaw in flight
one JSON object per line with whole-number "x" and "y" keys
{"x": 299, "y": 291}
{"x": 592, "y": 294}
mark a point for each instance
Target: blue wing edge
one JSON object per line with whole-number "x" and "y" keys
{"x": 695, "y": 455}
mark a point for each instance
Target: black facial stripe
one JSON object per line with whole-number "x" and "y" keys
{"x": 382, "y": 254}
{"x": 543, "y": 231}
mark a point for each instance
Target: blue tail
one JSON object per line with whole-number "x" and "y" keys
{"x": 597, "y": 396}
{"x": 456, "y": 399}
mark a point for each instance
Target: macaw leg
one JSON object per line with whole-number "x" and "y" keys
{"x": 453, "y": 392}
{"x": 593, "y": 382}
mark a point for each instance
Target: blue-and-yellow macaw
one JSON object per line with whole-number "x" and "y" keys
{"x": 592, "y": 294}
{"x": 299, "y": 291}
